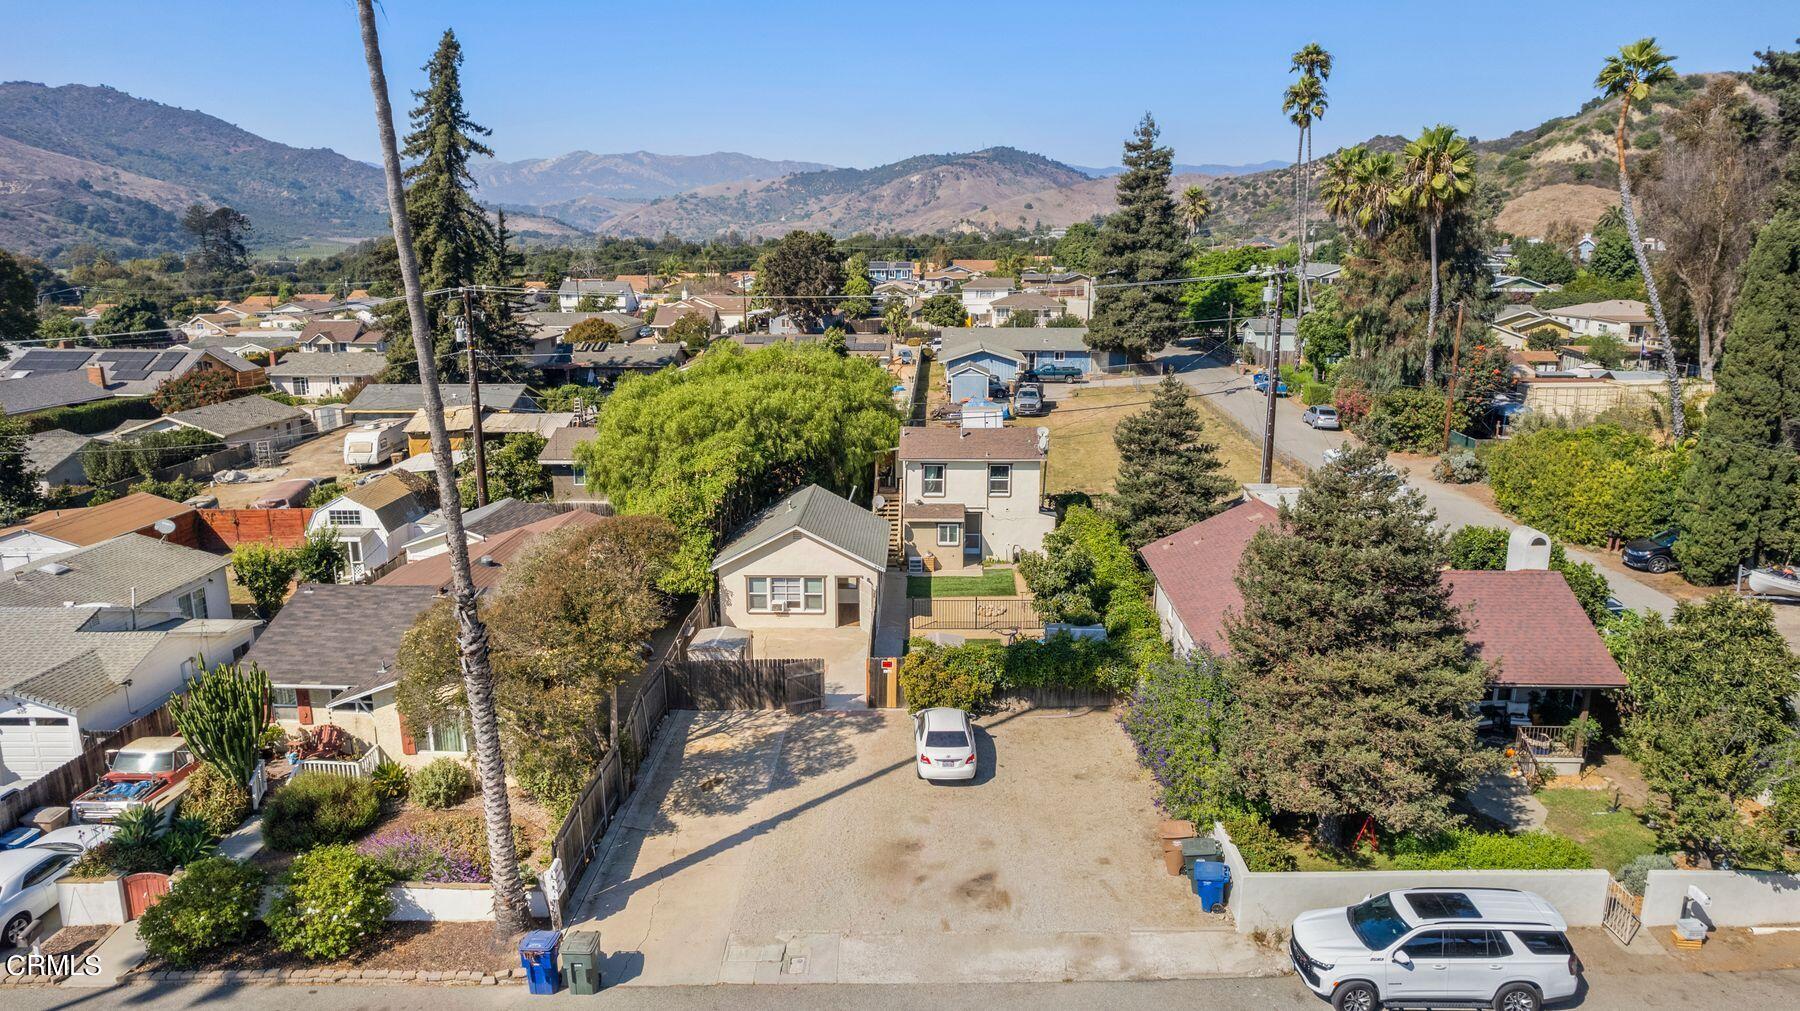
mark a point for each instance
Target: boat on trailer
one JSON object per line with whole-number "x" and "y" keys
{"x": 1774, "y": 581}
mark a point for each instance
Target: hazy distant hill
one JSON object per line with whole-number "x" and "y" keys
{"x": 1190, "y": 170}
{"x": 80, "y": 163}
{"x": 639, "y": 175}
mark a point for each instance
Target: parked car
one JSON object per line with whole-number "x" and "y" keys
{"x": 1322, "y": 416}
{"x": 1430, "y": 947}
{"x": 1261, "y": 382}
{"x": 945, "y": 742}
{"x": 28, "y": 887}
{"x": 1652, "y": 554}
{"x": 1029, "y": 400}
{"x": 149, "y": 770}
{"x": 85, "y": 836}
{"x": 289, "y": 494}
{"x": 1050, "y": 372}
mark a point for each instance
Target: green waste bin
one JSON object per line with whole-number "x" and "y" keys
{"x": 1199, "y": 849}
{"x": 581, "y": 961}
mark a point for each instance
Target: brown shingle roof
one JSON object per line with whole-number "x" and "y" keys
{"x": 93, "y": 524}
{"x": 392, "y": 496}
{"x": 1195, "y": 566}
{"x": 500, "y": 550}
{"x": 969, "y": 444}
{"x": 1531, "y": 629}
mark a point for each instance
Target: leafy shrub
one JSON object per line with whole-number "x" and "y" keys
{"x": 1463, "y": 849}
{"x": 466, "y": 833}
{"x": 1352, "y": 402}
{"x": 215, "y": 801}
{"x": 1636, "y": 874}
{"x": 1405, "y": 420}
{"x": 960, "y": 677}
{"x": 1314, "y": 393}
{"x": 209, "y": 907}
{"x": 273, "y": 740}
{"x": 319, "y": 810}
{"x": 136, "y": 845}
{"x": 187, "y": 840}
{"x": 1180, "y": 719}
{"x": 412, "y": 855}
{"x": 332, "y": 901}
{"x": 97, "y": 862}
{"x": 391, "y": 780}
{"x": 442, "y": 784}
{"x": 1581, "y": 484}
{"x": 1459, "y": 467}
{"x": 1262, "y": 848}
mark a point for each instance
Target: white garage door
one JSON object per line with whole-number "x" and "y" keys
{"x": 31, "y": 746}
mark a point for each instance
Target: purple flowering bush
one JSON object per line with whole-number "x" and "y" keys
{"x": 1181, "y": 719}
{"x": 410, "y": 855}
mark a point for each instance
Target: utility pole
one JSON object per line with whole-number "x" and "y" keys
{"x": 1450, "y": 387}
{"x": 1272, "y": 375}
{"x": 475, "y": 444}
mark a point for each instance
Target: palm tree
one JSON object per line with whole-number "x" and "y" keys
{"x": 1438, "y": 175}
{"x": 1338, "y": 184}
{"x": 1378, "y": 184}
{"x": 1629, "y": 76}
{"x": 1612, "y": 220}
{"x": 1311, "y": 61}
{"x": 1304, "y": 101}
{"x": 510, "y": 909}
{"x": 1195, "y": 207}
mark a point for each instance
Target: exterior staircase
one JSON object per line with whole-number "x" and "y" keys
{"x": 890, "y": 511}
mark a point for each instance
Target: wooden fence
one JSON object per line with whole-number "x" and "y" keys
{"x": 64, "y": 783}
{"x": 224, "y": 529}
{"x": 708, "y": 685}
{"x": 999, "y": 614}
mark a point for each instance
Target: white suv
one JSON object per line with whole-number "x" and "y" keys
{"x": 1437, "y": 947}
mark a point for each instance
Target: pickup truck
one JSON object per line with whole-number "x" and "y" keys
{"x": 1052, "y": 373}
{"x": 149, "y": 770}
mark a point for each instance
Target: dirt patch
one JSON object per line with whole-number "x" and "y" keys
{"x": 321, "y": 457}
{"x": 1533, "y": 212}
{"x": 445, "y": 947}
{"x": 77, "y": 941}
{"x": 1726, "y": 950}
{"x": 983, "y": 891}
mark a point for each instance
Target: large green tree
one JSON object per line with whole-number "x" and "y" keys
{"x": 136, "y": 316}
{"x": 1350, "y": 665}
{"x": 1777, "y": 74}
{"x": 1140, "y": 242}
{"x": 801, "y": 275}
{"x": 1544, "y": 262}
{"x": 1708, "y": 698}
{"x": 452, "y": 233}
{"x": 943, "y": 310}
{"x": 19, "y": 495}
{"x": 18, "y": 300}
{"x": 1741, "y": 497}
{"x": 219, "y": 237}
{"x": 1170, "y": 477}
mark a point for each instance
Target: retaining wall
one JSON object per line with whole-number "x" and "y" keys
{"x": 452, "y": 903}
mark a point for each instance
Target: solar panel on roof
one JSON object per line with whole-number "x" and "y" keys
{"x": 44, "y": 360}
{"x": 129, "y": 359}
{"x": 167, "y": 360}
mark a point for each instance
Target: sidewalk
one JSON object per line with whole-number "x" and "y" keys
{"x": 121, "y": 952}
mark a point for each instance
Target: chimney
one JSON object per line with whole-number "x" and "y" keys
{"x": 96, "y": 374}
{"x": 1527, "y": 549}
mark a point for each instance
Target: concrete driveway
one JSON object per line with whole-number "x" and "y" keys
{"x": 774, "y": 849}
{"x": 844, "y": 650}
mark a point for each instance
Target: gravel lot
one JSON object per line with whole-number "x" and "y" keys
{"x": 321, "y": 457}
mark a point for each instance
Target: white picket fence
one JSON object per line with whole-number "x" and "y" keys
{"x": 350, "y": 768}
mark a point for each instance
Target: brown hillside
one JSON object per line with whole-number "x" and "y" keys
{"x": 1534, "y": 211}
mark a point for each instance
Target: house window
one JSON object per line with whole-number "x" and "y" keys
{"x": 445, "y": 737}
{"x": 193, "y": 603}
{"x": 364, "y": 705}
{"x": 1000, "y": 479}
{"x": 286, "y": 702}
{"x": 300, "y": 386}
{"x": 343, "y": 517}
{"x": 1056, "y": 356}
{"x": 787, "y": 593}
{"x": 949, "y": 534}
{"x": 579, "y": 478}
{"x": 933, "y": 474}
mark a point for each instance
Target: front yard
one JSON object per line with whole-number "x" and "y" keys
{"x": 994, "y": 581}
{"x": 1614, "y": 836}
{"x": 1083, "y": 457}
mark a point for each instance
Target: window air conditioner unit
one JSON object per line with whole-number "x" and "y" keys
{"x": 779, "y": 606}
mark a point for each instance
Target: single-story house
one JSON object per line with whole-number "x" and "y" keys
{"x": 235, "y": 422}
{"x": 403, "y": 400}
{"x": 70, "y": 672}
{"x": 496, "y": 426}
{"x": 490, "y": 555}
{"x": 324, "y": 373}
{"x": 1584, "y": 392}
{"x": 1514, "y": 284}
{"x": 555, "y": 325}
{"x": 812, "y": 560}
{"x": 55, "y": 531}
{"x": 1254, "y": 334}
{"x": 56, "y": 456}
{"x": 46, "y": 391}
{"x": 341, "y": 336}
{"x": 124, "y": 571}
{"x": 1001, "y": 353}
{"x": 1625, "y": 318}
{"x": 330, "y": 655}
{"x": 591, "y": 364}
{"x": 373, "y": 521}
{"x": 891, "y": 270}
{"x": 123, "y": 372}
{"x": 568, "y": 478}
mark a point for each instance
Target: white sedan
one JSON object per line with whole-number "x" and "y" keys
{"x": 28, "y": 886}
{"x": 945, "y": 742}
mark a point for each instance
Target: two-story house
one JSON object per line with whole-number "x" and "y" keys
{"x": 971, "y": 493}
{"x": 891, "y": 270}
{"x": 979, "y": 295}
{"x": 373, "y": 522}
{"x": 607, "y": 295}
{"x": 341, "y": 335}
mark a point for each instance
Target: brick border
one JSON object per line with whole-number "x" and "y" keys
{"x": 312, "y": 977}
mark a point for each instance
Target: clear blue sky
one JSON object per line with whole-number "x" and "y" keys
{"x": 861, "y": 84}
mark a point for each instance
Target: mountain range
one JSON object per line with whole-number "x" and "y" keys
{"x": 85, "y": 164}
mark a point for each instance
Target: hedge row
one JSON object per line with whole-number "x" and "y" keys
{"x": 98, "y": 416}
{"x": 1583, "y": 484}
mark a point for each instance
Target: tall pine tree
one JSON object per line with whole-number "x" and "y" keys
{"x": 1356, "y": 684}
{"x": 1169, "y": 477}
{"x": 1142, "y": 241}
{"x": 1741, "y": 496}
{"x": 452, "y": 233}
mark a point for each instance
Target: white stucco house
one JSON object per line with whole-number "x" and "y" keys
{"x": 373, "y": 522}
{"x": 979, "y": 295}
{"x": 324, "y": 373}
{"x": 813, "y": 560}
{"x": 972, "y": 493}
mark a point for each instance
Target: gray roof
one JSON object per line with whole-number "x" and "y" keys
{"x": 46, "y": 451}
{"x": 627, "y": 356}
{"x": 395, "y": 398}
{"x": 815, "y": 511}
{"x": 129, "y": 371}
{"x": 505, "y": 514}
{"x": 235, "y": 417}
{"x": 117, "y": 571}
{"x": 592, "y": 286}
{"x": 1015, "y": 341}
{"x": 44, "y": 390}
{"x": 393, "y": 497}
{"x": 560, "y": 447}
{"x": 318, "y": 364}
{"x": 339, "y": 636}
{"x": 559, "y": 322}
{"x": 988, "y": 284}
{"x": 59, "y": 657}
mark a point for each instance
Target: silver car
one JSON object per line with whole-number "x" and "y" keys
{"x": 1322, "y": 416}
{"x": 944, "y": 740}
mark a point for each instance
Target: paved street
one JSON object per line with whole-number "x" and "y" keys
{"x": 1607, "y": 992}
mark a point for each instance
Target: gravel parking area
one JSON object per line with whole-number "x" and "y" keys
{"x": 321, "y": 457}
{"x": 767, "y": 848}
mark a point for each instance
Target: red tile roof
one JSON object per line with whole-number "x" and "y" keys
{"x": 1531, "y": 629}
{"x": 1194, "y": 567}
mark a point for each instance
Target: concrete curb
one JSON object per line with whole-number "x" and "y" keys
{"x": 309, "y": 977}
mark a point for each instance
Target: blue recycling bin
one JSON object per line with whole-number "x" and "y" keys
{"x": 1210, "y": 878}
{"x": 537, "y": 955}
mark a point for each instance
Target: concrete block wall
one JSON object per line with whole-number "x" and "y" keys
{"x": 1739, "y": 898}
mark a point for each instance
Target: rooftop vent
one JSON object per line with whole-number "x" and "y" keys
{"x": 55, "y": 569}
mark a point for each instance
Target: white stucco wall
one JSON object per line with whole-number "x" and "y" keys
{"x": 87, "y": 903}
{"x": 453, "y": 903}
{"x": 24, "y": 547}
{"x": 218, "y": 596}
{"x": 795, "y": 554}
{"x": 1173, "y": 630}
{"x": 1739, "y": 898}
{"x": 1009, "y": 523}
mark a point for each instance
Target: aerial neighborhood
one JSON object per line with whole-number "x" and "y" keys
{"x": 1366, "y": 577}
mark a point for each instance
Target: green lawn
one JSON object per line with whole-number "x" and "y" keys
{"x": 993, "y": 582}
{"x": 1614, "y": 837}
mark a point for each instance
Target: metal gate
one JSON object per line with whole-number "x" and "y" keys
{"x": 1621, "y": 912}
{"x": 806, "y": 690}
{"x": 143, "y": 891}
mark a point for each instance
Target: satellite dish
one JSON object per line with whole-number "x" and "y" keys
{"x": 880, "y": 502}
{"x": 164, "y": 527}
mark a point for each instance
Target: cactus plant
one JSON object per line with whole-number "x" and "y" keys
{"x": 222, "y": 716}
